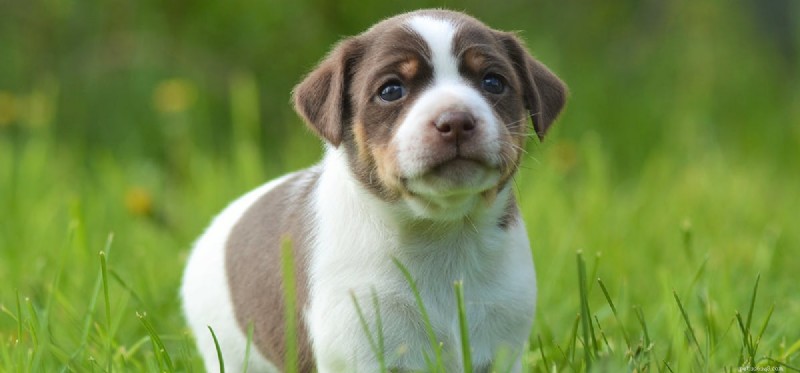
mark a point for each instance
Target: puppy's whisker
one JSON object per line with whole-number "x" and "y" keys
{"x": 513, "y": 146}
{"x": 528, "y": 134}
{"x": 496, "y": 103}
{"x": 516, "y": 122}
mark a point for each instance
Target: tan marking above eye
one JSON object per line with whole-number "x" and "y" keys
{"x": 409, "y": 68}
{"x": 474, "y": 60}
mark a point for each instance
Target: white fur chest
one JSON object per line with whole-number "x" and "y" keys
{"x": 356, "y": 241}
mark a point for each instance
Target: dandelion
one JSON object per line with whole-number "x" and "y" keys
{"x": 139, "y": 201}
{"x": 174, "y": 96}
{"x": 8, "y": 108}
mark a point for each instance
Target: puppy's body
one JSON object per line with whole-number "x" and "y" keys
{"x": 421, "y": 147}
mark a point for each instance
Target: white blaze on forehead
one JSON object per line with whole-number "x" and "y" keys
{"x": 438, "y": 34}
{"x": 417, "y": 152}
{"x": 448, "y": 91}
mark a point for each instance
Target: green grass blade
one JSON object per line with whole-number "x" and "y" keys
{"x": 109, "y": 341}
{"x": 603, "y": 335}
{"x": 248, "y": 346}
{"x": 699, "y": 273}
{"x": 689, "y": 325}
{"x": 125, "y": 286}
{"x": 158, "y": 345}
{"x": 593, "y": 274}
{"x": 19, "y": 318}
{"x": 647, "y": 342}
{"x": 573, "y": 339}
{"x": 428, "y": 362}
{"x": 747, "y": 344}
{"x": 640, "y": 316}
{"x": 764, "y": 326}
{"x": 289, "y": 306}
{"x": 614, "y": 312}
{"x": 379, "y": 325}
{"x": 466, "y": 349}
{"x": 752, "y": 304}
{"x": 586, "y": 323}
{"x": 541, "y": 351}
{"x": 567, "y": 360}
{"x": 368, "y": 333}
{"x": 90, "y": 312}
{"x": 435, "y": 345}
{"x": 220, "y": 358}
{"x": 376, "y": 344}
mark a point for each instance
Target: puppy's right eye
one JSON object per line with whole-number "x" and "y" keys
{"x": 392, "y": 91}
{"x": 493, "y": 83}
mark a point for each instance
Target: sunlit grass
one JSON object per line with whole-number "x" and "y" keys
{"x": 672, "y": 295}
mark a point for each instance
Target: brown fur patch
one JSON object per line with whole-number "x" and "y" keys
{"x": 253, "y": 265}
{"x": 391, "y": 53}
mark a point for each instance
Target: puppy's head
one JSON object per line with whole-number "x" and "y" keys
{"x": 431, "y": 109}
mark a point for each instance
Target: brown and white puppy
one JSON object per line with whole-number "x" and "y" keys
{"x": 425, "y": 118}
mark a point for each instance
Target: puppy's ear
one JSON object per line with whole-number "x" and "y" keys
{"x": 545, "y": 94}
{"x": 322, "y": 97}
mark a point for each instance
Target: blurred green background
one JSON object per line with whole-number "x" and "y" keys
{"x": 644, "y": 74}
{"x": 677, "y": 156}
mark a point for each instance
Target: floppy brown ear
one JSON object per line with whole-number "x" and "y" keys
{"x": 322, "y": 98}
{"x": 545, "y": 94}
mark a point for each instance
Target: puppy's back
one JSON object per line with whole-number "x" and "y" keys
{"x": 234, "y": 274}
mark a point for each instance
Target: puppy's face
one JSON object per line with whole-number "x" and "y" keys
{"x": 431, "y": 108}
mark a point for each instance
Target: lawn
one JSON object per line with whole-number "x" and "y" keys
{"x": 663, "y": 208}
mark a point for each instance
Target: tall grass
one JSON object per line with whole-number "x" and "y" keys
{"x": 665, "y": 300}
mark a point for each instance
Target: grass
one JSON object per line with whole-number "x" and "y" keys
{"x": 463, "y": 327}
{"x": 290, "y": 308}
{"x": 674, "y": 257}
{"x": 666, "y": 303}
{"x": 673, "y": 172}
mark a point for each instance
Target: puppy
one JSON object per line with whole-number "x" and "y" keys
{"x": 425, "y": 117}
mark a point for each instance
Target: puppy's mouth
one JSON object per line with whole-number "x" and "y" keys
{"x": 457, "y": 175}
{"x": 450, "y": 189}
{"x": 458, "y": 169}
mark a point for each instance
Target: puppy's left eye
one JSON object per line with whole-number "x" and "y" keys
{"x": 392, "y": 91}
{"x": 493, "y": 83}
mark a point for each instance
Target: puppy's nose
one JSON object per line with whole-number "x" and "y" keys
{"x": 455, "y": 125}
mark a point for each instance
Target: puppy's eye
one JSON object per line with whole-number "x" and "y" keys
{"x": 493, "y": 83}
{"x": 392, "y": 91}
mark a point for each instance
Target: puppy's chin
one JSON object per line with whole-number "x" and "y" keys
{"x": 451, "y": 190}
